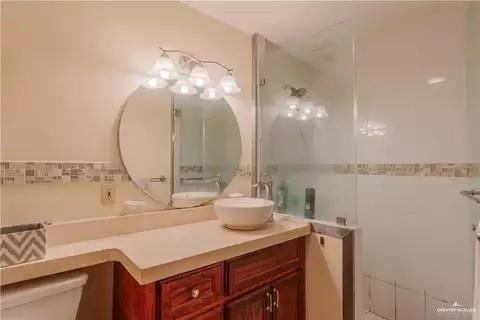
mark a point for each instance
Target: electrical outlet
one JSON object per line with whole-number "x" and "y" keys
{"x": 108, "y": 194}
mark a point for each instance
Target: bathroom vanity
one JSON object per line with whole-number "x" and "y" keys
{"x": 264, "y": 284}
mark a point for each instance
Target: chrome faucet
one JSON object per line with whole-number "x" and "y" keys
{"x": 266, "y": 183}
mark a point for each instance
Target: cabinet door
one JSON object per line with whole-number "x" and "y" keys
{"x": 287, "y": 297}
{"x": 253, "y": 306}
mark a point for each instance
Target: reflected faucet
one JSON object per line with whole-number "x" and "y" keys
{"x": 220, "y": 183}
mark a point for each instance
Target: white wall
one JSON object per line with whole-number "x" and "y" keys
{"x": 417, "y": 230}
{"x": 68, "y": 68}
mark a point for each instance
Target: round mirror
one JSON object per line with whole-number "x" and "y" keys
{"x": 180, "y": 150}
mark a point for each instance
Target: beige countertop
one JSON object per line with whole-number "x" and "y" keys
{"x": 160, "y": 253}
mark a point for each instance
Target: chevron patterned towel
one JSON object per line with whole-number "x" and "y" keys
{"x": 23, "y": 243}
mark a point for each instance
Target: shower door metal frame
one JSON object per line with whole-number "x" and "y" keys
{"x": 258, "y": 80}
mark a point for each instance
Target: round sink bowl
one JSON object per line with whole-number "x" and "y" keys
{"x": 243, "y": 213}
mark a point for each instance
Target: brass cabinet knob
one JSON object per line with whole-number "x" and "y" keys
{"x": 195, "y": 293}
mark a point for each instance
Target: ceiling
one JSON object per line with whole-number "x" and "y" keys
{"x": 298, "y": 26}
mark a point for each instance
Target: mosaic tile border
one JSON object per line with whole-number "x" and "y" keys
{"x": 60, "y": 172}
{"x": 242, "y": 170}
{"x": 448, "y": 170}
{"x": 13, "y": 173}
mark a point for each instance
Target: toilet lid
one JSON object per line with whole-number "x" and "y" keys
{"x": 31, "y": 290}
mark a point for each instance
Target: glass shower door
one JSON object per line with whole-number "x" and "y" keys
{"x": 306, "y": 123}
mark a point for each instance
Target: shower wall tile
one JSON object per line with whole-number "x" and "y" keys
{"x": 383, "y": 299}
{"x": 425, "y": 123}
{"x": 410, "y": 304}
{"x": 417, "y": 231}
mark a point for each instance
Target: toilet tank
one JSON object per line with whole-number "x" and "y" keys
{"x": 53, "y": 298}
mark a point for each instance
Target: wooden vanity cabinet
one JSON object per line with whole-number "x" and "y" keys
{"x": 264, "y": 285}
{"x": 280, "y": 301}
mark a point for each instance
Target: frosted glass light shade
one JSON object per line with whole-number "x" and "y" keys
{"x": 307, "y": 107}
{"x": 199, "y": 77}
{"x": 155, "y": 83}
{"x": 321, "y": 112}
{"x": 229, "y": 85}
{"x": 211, "y": 93}
{"x": 184, "y": 87}
{"x": 292, "y": 103}
{"x": 164, "y": 68}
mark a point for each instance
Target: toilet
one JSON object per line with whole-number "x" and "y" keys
{"x": 52, "y": 298}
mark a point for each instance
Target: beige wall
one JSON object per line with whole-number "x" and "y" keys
{"x": 67, "y": 69}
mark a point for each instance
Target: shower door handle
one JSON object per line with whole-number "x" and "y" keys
{"x": 472, "y": 195}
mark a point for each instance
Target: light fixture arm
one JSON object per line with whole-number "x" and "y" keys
{"x": 197, "y": 59}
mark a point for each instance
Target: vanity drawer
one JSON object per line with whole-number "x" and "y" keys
{"x": 190, "y": 292}
{"x": 262, "y": 266}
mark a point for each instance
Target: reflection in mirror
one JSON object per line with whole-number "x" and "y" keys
{"x": 207, "y": 149}
{"x": 191, "y": 169}
{"x": 145, "y": 141}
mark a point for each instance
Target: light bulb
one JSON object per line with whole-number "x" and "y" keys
{"x": 289, "y": 114}
{"x": 155, "y": 83}
{"x": 165, "y": 74}
{"x": 303, "y": 117}
{"x": 211, "y": 93}
{"x": 307, "y": 110}
{"x": 199, "y": 76}
{"x": 164, "y": 68}
{"x": 229, "y": 84}
{"x": 184, "y": 87}
{"x": 292, "y": 103}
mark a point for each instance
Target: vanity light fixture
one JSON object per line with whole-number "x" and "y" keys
{"x": 192, "y": 76}
{"x": 199, "y": 76}
{"x": 229, "y": 84}
{"x": 164, "y": 68}
{"x": 183, "y": 86}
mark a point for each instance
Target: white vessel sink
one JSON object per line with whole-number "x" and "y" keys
{"x": 243, "y": 213}
{"x": 191, "y": 199}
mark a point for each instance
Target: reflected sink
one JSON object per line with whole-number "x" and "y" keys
{"x": 243, "y": 213}
{"x": 191, "y": 199}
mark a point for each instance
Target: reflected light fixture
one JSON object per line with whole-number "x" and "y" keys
{"x": 436, "y": 80}
{"x": 293, "y": 103}
{"x": 191, "y": 74}
{"x": 302, "y": 110}
{"x": 211, "y": 93}
{"x": 321, "y": 112}
{"x": 155, "y": 83}
{"x": 184, "y": 87}
{"x": 373, "y": 128}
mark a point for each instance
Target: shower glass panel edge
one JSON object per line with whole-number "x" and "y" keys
{"x": 312, "y": 162}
